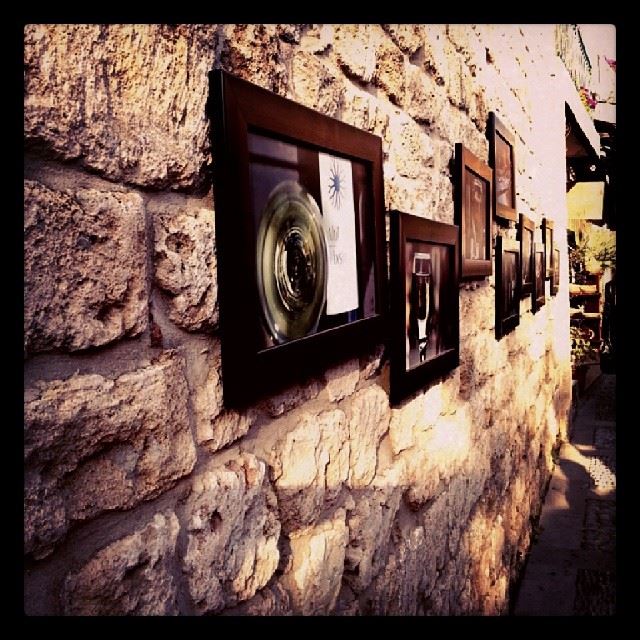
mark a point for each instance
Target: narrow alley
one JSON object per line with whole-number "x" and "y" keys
{"x": 571, "y": 568}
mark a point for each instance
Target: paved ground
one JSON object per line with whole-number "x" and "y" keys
{"x": 571, "y": 566}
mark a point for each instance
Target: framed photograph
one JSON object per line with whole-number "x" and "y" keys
{"x": 473, "y": 197}
{"x": 526, "y": 230}
{"x": 555, "y": 280}
{"x": 547, "y": 239}
{"x": 502, "y": 160}
{"x": 424, "y": 322}
{"x": 507, "y": 285}
{"x": 300, "y": 238}
{"x": 538, "y": 294}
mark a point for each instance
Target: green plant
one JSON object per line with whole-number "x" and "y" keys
{"x": 582, "y": 348}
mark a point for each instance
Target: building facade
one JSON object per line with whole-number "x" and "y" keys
{"x": 144, "y": 493}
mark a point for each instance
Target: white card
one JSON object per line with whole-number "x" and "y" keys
{"x": 339, "y": 219}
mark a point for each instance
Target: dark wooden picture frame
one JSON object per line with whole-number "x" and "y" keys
{"x": 526, "y": 236}
{"x": 473, "y": 205}
{"x": 502, "y": 159}
{"x": 547, "y": 240}
{"x": 538, "y": 295}
{"x": 260, "y": 140}
{"x": 508, "y": 277}
{"x": 422, "y": 348}
{"x": 555, "y": 280}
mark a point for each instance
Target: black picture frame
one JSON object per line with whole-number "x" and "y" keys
{"x": 259, "y": 140}
{"x": 547, "y": 240}
{"x": 508, "y": 277}
{"x": 538, "y": 295}
{"x": 473, "y": 207}
{"x": 502, "y": 159}
{"x": 555, "y": 280}
{"x": 526, "y": 237}
{"x": 431, "y": 348}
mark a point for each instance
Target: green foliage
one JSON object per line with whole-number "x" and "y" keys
{"x": 582, "y": 348}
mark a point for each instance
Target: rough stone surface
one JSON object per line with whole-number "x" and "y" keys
{"x": 407, "y": 36}
{"x": 321, "y": 498}
{"x": 254, "y": 52}
{"x": 368, "y": 423}
{"x": 317, "y": 561}
{"x": 369, "y": 530}
{"x": 341, "y": 381}
{"x": 131, "y": 576}
{"x": 127, "y": 101}
{"x": 310, "y": 465}
{"x": 185, "y": 265}
{"x": 84, "y": 267}
{"x": 316, "y": 85}
{"x": 271, "y": 601}
{"x": 366, "y": 54}
{"x": 94, "y": 444}
{"x": 233, "y": 531}
{"x": 295, "y": 395}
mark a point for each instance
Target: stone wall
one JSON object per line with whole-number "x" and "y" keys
{"x": 144, "y": 494}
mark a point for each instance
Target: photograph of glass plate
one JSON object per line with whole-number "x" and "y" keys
{"x": 291, "y": 260}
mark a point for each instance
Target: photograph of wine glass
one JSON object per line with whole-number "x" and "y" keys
{"x": 425, "y": 302}
{"x": 428, "y": 331}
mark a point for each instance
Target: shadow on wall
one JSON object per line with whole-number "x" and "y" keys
{"x": 352, "y": 509}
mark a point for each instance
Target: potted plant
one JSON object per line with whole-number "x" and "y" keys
{"x": 583, "y": 353}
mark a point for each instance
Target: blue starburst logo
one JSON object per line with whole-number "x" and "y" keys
{"x": 336, "y": 183}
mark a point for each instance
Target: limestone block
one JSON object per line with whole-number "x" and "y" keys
{"x": 422, "y": 477}
{"x": 315, "y": 85}
{"x": 127, "y": 101}
{"x": 310, "y": 466}
{"x": 369, "y": 421}
{"x": 254, "y": 52}
{"x": 342, "y": 379}
{"x": 84, "y": 267}
{"x": 366, "y": 53}
{"x": 208, "y": 400}
{"x": 216, "y": 427}
{"x": 406, "y": 36}
{"x": 411, "y": 149}
{"x": 131, "y": 576}
{"x": 317, "y": 38}
{"x": 232, "y": 534}
{"x": 314, "y": 576}
{"x": 369, "y": 530}
{"x": 93, "y": 444}
{"x": 355, "y": 48}
{"x": 271, "y": 601}
{"x": 403, "y": 420}
{"x": 390, "y": 72}
{"x": 365, "y": 112}
{"x": 459, "y": 35}
{"x": 227, "y": 427}
{"x": 291, "y": 33}
{"x": 395, "y": 589}
{"x": 185, "y": 264}
{"x": 439, "y": 53}
{"x": 425, "y": 99}
{"x": 292, "y": 397}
